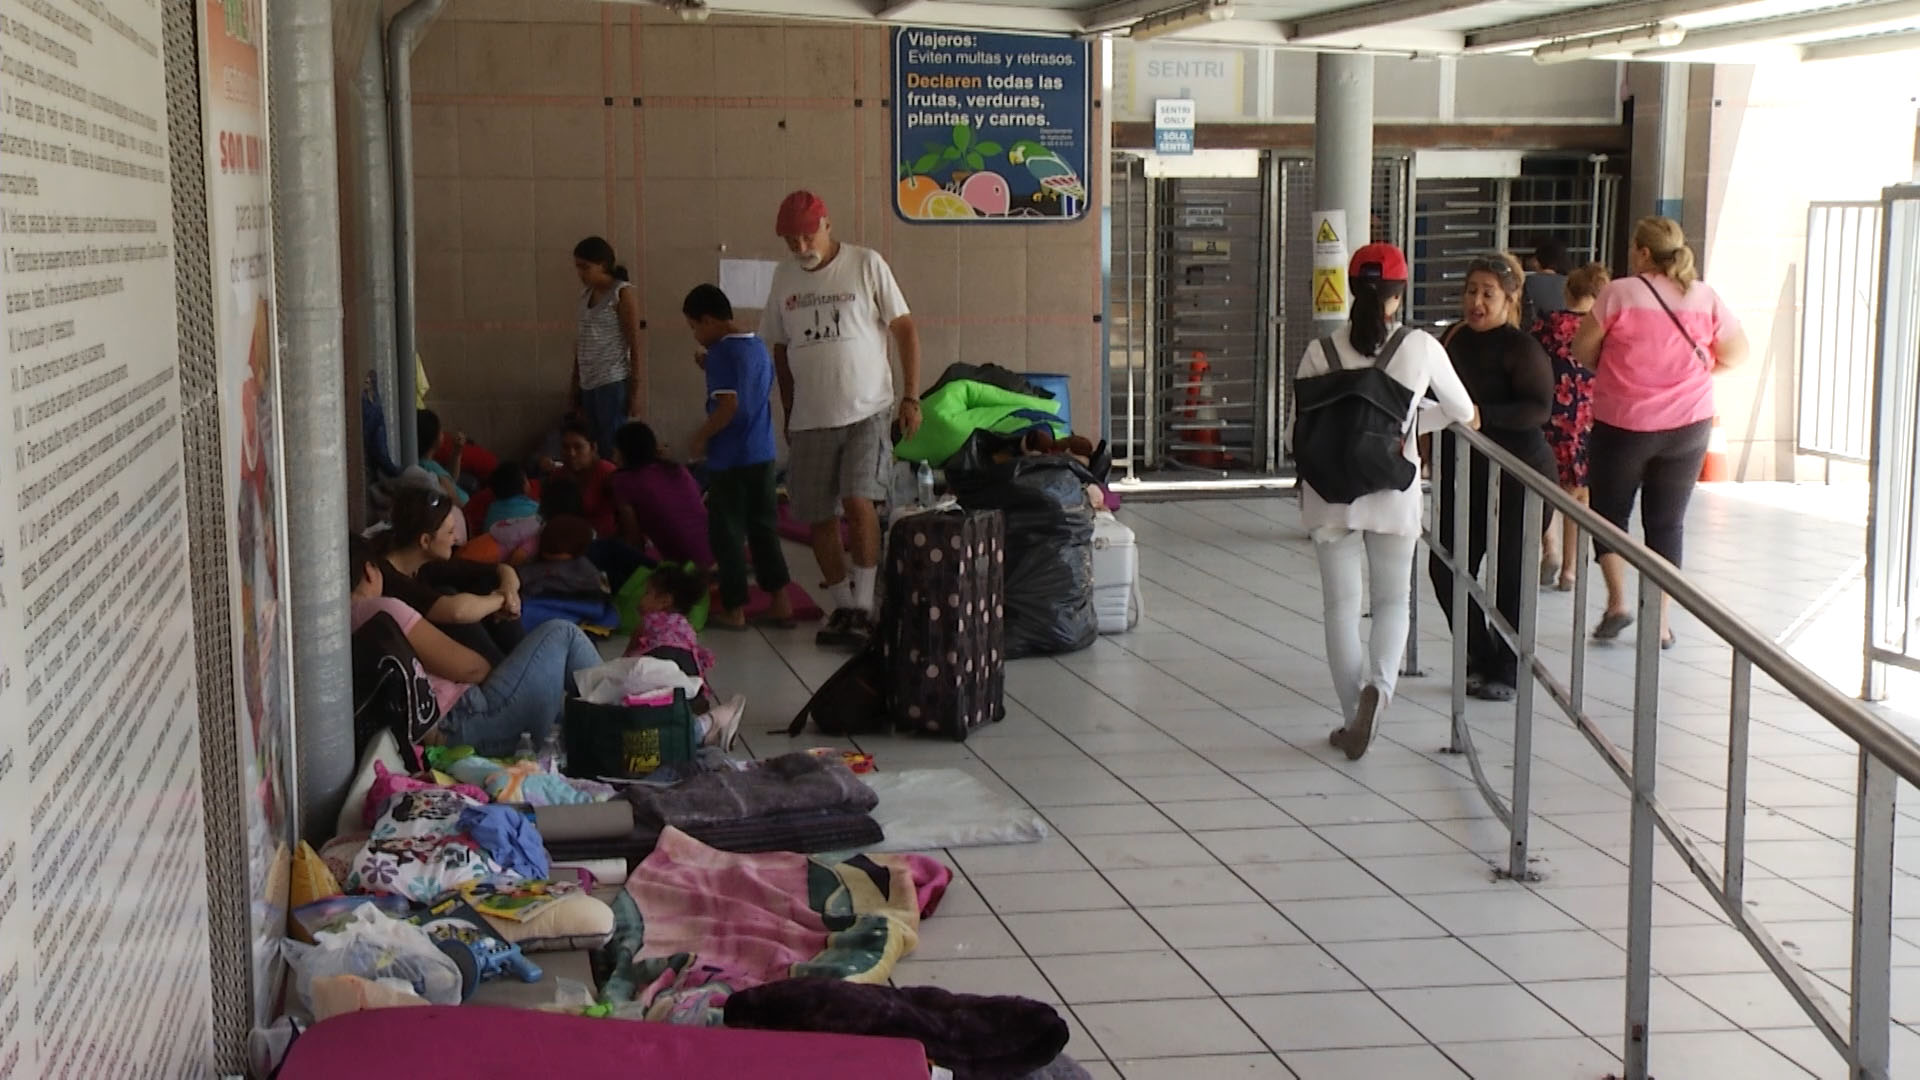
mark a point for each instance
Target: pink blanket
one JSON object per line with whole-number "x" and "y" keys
{"x": 697, "y": 923}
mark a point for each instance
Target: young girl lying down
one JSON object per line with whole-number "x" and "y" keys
{"x": 666, "y": 633}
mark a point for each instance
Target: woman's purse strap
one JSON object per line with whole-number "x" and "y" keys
{"x": 1700, "y": 352}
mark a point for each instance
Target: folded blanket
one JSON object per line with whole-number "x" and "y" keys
{"x": 977, "y": 1038}
{"x": 790, "y": 783}
{"x": 806, "y": 832}
{"x": 694, "y": 925}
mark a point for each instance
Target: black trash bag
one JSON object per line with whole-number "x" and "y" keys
{"x": 1049, "y": 523}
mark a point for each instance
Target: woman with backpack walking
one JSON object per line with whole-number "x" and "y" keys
{"x": 1655, "y": 341}
{"x": 1512, "y": 384}
{"x": 1361, "y": 394}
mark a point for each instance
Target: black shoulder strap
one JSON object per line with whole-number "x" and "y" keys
{"x": 1392, "y": 346}
{"x": 1332, "y": 352}
{"x": 1698, "y": 348}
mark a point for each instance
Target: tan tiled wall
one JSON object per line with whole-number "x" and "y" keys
{"x": 519, "y": 155}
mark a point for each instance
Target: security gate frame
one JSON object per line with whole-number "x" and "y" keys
{"x": 1834, "y": 413}
{"x": 1142, "y": 393}
{"x": 1892, "y": 631}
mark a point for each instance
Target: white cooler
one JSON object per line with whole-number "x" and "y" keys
{"x": 1116, "y": 575}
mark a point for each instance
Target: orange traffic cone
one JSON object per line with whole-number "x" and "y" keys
{"x": 1714, "y": 469}
{"x": 1198, "y": 410}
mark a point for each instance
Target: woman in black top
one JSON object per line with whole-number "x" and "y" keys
{"x": 1511, "y": 381}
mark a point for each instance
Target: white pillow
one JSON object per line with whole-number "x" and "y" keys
{"x": 383, "y": 749}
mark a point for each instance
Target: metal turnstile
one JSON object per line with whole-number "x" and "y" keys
{"x": 1212, "y": 379}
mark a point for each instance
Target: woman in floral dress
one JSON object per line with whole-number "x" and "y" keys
{"x": 1571, "y": 424}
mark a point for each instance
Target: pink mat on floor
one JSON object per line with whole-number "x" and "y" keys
{"x": 804, "y": 609}
{"x": 473, "y": 1040}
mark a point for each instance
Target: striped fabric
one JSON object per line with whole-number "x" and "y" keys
{"x": 601, "y": 348}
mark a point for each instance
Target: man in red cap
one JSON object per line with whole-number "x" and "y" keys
{"x": 833, "y": 310}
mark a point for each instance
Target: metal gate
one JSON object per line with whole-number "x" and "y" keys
{"x": 1834, "y": 419}
{"x": 1213, "y": 410}
{"x": 1210, "y": 311}
{"x": 1457, "y": 221}
{"x": 1893, "y": 542}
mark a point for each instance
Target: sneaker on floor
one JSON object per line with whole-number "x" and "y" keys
{"x": 725, "y": 717}
{"x": 1495, "y": 690}
{"x": 1366, "y": 720}
{"x": 847, "y": 628}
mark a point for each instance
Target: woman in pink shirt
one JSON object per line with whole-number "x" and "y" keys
{"x": 1655, "y": 340}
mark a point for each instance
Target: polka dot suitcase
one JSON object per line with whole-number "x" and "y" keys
{"x": 943, "y": 628}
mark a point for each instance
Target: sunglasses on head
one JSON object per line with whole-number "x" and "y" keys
{"x": 1498, "y": 267}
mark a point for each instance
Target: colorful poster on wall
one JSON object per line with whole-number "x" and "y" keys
{"x": 240, "y": 236}
{"x": 989, "y": 127}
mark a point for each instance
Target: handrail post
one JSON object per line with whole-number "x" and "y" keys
{"x": 1526, "y": 630}
{"x": 1739, "y": 706}
{"x": 1871, "y": 1000}
{"x": 1583, "y": 562}
{"x": 1462, "y": 500}
{"x": 1646, "y": 731}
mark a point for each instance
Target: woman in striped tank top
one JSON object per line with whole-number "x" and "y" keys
{"x": 607, "y": 385}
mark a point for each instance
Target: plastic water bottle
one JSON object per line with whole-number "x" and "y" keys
{"x": 553, "y": 755}
{"x": 524, "y": 750}
{"x": 923, "y": 485}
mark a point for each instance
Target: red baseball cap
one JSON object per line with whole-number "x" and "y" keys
{"x": 1378, "y": 262}
{"x": 800, "y": 214}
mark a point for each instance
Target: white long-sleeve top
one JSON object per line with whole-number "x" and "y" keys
{"x": 1420, "y": 365}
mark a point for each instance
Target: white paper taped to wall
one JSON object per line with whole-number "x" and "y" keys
{"x": 747, "y": 282}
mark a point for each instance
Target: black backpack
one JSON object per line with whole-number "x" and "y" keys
{"x": 1349, "y": 435}
{"x": 853, "y": 700}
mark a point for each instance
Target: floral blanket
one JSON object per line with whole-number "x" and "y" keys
{"x": 695, "y": 924}
{"x": 418, "y": 851}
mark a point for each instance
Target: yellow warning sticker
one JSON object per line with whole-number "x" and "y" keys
{"x": 1329, "y": 292}
{"x": 1326, "y": 235}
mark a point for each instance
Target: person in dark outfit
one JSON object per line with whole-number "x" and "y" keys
{"x": 1546, "y": 289}
{"x": 1511, "y": 382}
{"x": 476, "y": 605}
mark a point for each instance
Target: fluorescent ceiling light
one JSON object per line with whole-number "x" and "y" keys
{"x": 1181, "y": 18}
{"x": 1851, "y": 19}
{"x": 1617, "y": 44}
{"x": 1874, "y": 45}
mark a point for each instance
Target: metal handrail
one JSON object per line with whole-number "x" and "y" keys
{"x": 1854, "y": 719}
{"x": 1885, "y": 753}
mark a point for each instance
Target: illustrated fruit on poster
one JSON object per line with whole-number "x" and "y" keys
{"x": 987, "y": 193}
{"x": 945, "y": 205}
{"x": 914, "y": 193}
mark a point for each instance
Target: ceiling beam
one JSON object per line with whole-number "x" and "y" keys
{"x": 1848, "y": 48}
{"x": 900, "y": 9}
{"x": 1121, "y": 12}
{"x": 1852, "y": 19}
{"x": 958, "y": 14}
{"x": 1589, "y": 20}
{"x": 1367, "y": 16}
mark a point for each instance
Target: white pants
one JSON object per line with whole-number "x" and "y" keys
{"x": 1345, "y": 559}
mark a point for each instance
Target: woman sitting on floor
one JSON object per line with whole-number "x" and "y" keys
{"x": 658, "y": 500}
{"x": 483, "y": 705}
{"x": 479, "y": 605}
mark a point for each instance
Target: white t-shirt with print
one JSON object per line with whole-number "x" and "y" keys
{"x": 833, "y": 322}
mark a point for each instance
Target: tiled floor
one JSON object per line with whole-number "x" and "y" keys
{"x": 1227, "y": 897}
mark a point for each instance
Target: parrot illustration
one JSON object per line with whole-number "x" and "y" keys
{"x": 1054, "y": 174}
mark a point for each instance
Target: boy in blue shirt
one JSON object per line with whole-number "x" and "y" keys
{"x": 742, "y": 508}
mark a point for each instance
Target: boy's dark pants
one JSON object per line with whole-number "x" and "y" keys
{"x": 743, "y": 514}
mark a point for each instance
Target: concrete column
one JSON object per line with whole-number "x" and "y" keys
{"x": 313, "y": 402}
{"x": 1343, "y": 149}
